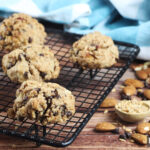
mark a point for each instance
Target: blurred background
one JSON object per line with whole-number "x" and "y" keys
{"x": 127, "y": 21}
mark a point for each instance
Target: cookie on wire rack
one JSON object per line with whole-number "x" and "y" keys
{"x": 34, "y": 62}
{"x": 94, "y": 51}
{"x": 42, "y": 102}
{"x": 20, "y": 30}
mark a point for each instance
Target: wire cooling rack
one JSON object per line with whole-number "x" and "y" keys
{"x": 89, "y": 87}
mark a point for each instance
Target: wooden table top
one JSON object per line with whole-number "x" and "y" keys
{"x": 88, "y": 138}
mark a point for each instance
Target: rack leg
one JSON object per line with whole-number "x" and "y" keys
{"x": 44, "y": 131}
{"x": 36, "y": 133}
{"x": 38, "y": 144}
{"x": 76, "y": 65}
{"x": 77, "y": 75}
{"x": 93, "y": 73}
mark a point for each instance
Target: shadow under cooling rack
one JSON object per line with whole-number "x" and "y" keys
{"x": 90, "y": 87}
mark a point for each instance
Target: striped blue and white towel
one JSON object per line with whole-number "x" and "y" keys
{"x": 127, "y": 20}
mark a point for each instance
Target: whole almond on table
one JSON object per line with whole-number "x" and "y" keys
{"x": 108, "y": 102}
{"x": 134, "y": 82}
{"x": 136, "y": 67}
{"x": 139, "y": 138}
{"x": 147, "y": 82}
{"x": 143, "y": 127}
{"x": 147, "y": 70}
{"x": 147, "y": 93}
{"x": 141, "y": 74}
{"x": 129, "y": 90}
{"x": 105, "y": 126}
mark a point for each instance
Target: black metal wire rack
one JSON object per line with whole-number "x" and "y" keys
{"x": 90, "y": 87}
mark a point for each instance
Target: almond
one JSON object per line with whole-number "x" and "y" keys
{"x": 134, "y": 82}
{"x": 147, "y": 70}
{"x": 143, "y": 127}
{"x": 141, "y": 74}
{"x": 146, "y": 65}
{"x": 129, "y": 90}
{"x": 147, "y": 93}
{"x": 147, "y": 82}
{"x": 108, "y": 102}
{"x": 136, "y": 67}
{"x": 139, "y": 138}
{"x": 105, "y": 126}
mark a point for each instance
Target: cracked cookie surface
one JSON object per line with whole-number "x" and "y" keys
{"x": 19, "y": 30}
{"x": 34, "y": 62}
{"x": 94, "y": 51}
{"x": 42, "y": 102}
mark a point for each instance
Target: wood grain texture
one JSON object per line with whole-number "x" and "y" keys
{"x": 88, "y": 138}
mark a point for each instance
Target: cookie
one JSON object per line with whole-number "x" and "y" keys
{"x": 34, "y": 62}
{"x": 129, "y": 90}
{"x": 42, "y": 102}
{"x": 143, "y": 127}
{"x": 105, "y": 126}
{"x": 20, "y": 30}
{"x": 142, "y": 75}
{"x": 94, "y": 51}
{"x": 108, "y": 102}
{"x": 134, "y": 82}
{"x": 139, "y": 138}
{"x": 147, "y": 93}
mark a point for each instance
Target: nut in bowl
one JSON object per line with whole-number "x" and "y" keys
{"x": 133, "y": 110}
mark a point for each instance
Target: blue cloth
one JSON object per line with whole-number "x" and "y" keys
{"x": 127, "y": 20}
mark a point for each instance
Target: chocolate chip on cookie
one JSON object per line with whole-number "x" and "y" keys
{"x": 10, "y": 65}
{"x": 30, "y": 40}
{"x": 25, "y": 75}
{"x": 134, "y": 82}
{"x": 41, "y": 54}
{"x": 42, "y": 74}
{"x": 108, "y": 102}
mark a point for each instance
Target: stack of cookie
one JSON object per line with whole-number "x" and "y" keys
{"x": 32, "y": 63}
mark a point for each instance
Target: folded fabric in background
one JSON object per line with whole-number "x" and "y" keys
{"x": 127, "y": 21}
